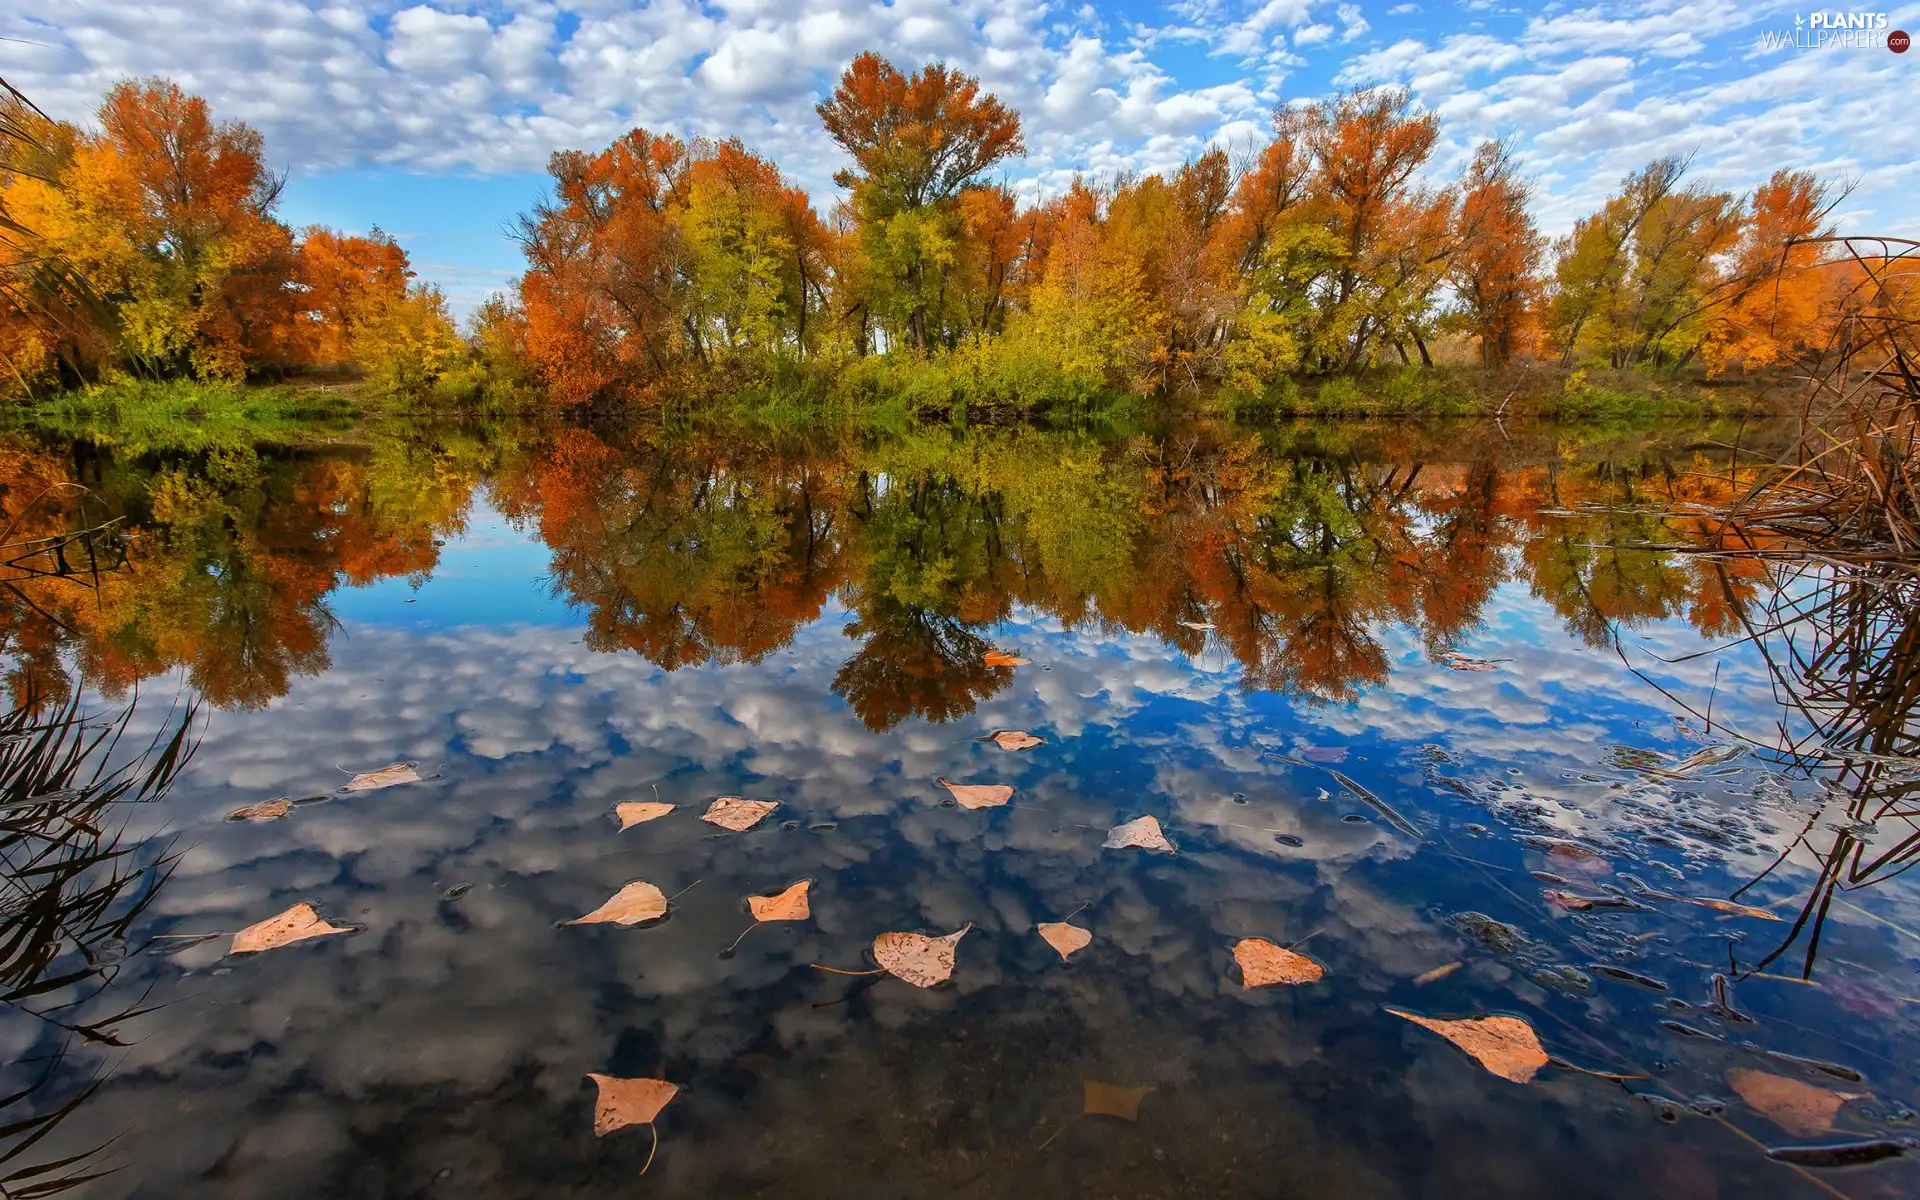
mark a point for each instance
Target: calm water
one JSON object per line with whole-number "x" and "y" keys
{"x": 1243, "y": 637}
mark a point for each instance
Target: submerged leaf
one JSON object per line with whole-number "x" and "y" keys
{"x": 731, "y": 812}
{"x": 1799, "y": 1108}
{"x": 385, "y": 777}
{"x": 1113, "y": 1100}
{"x": 1435, "y": 975}
{"x": 266, "y": 810}
{"x": 1262, "y": 962}
{"x": 297, "y": 924}
{"x": 1013, "y": 739}
{"x": 1506, "y": 1046}
{"x": 638, "y": 812}
{"x": 1141, "y": 832}
{"x": 978, "y": 795}
{"x": 1065, "y": 938}
{"x": 920, "y": 960}
{"x": 631, "y": 905}
{"x": 790, "y": 905}
{"x": 624, "y": 1102}
{"x": 996, "y": 658}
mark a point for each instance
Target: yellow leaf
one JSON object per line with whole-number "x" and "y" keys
{"x": 1142, "y": 833}
{"x": 920, "y": 960}
{"x": 297, "y": 924}
{"x": 1065, "y": 938}
{"x": 996, "y": 658}
{"x": 731, "y": 812}
{"x": 385, "y": 777}
{"x": 1506, "y": 1046}
{"x": 1114, "y": 1100}
{"x": 978, "y": 795}
{"x": 624, "y": 1102}
{"x": 637, "y": 812}
{"x": 631, "y": 905}
{"x": 1262, "y": 962}
{"x": 1435, "y": 975}
{"x": 790, "y": 905}
{"x": 266, "y": 810}
{"x": 1799, "y": 1108}
{"x": 1013, "y": 739}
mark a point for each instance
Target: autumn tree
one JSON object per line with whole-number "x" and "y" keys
{"x": 1781, "y": 287}
{"x": 916, "y": 142}
{"x": 1495, "y": 260}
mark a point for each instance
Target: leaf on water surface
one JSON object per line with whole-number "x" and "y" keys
{"x": 631, "y": 905}
{"x": 385, "y": 777}
{"x": 1731, "y": 907}
{"x": 1325, "y": 754}
{"x": 639, "y": 812}
{"x": 624, "y": 1102}
{"x": 790, "y": 905}
{"x": 1712, "y": 756}
{"x": 266, "y": 810}
{"x": 731, "y": 812}
{"x": 1141, "y": 832}
{"x": 1437, "y": 974}
{"x": 997, "y": 658}
{"x": 297, "y": 924}
{"x": 1799, "y": 1108}
{"x": 1065, "y": 938}
{"x": 1262, "y": 963}
{"x": 978, "y": 795}
{"x": 1113, "y": 1100}
{"x": 1012, "y": 739}
{"x": 1197, "y": 626}
{"x": 1453, "y": 660}
{"x": 1506, "y": 1046}
{"x": 920, "y": 960}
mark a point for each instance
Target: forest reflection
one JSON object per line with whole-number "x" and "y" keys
{"x": 1292, "y": 552}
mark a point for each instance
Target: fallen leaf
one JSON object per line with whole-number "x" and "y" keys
{"x": 978, "y": 795}
{"x": 1435, "y": 975}
{"x": 1506, "y": 1046}
{"x": 297, "y": 924}
{"x": 1726, "y": 906}
{"x": 631, "y": 905}
{"x": 996, "y": 658}
{"x": 731, "y": 812}
{"x": 624, "y": 1102}
{"x": 1143, "y": 832}
{"x": 266, "y": 810}
{"x": 1114, "y": 1100}
{"x": 1455, "y": 661}
{"x": 1262, "y": 962}
{"x": 1013, "y": 739}
{"x": 1568, "y": 901}
{"x": 638, "y": 812}
{"x": 385, "y": 777}
{"x": 790, "y": 905}
{"x": 1325, "y": 754}
{"x": 1065, "y": 938}
{"x": 920, "y": 960}
{"x": 1197, "y": 626}
{"x": 1799, "y": 1108}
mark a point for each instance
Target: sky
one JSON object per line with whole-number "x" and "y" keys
{"x": 435, "y": 121}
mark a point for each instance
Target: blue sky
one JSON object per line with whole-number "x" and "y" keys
{"x": 434, "y": 121}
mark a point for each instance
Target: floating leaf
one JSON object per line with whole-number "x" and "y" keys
{"x": 1262, "y": 962}
{"x": 266, "y": 810}
{"x": 639, "y": 812}
{"x": 1113, "y": 1100}
{"x": 996, "y": 658}
{"x": 978, "y": 795}
{"x": 920, "y": 960}
{"x": 1453, "y": 660}
{"x": 1799, "y": 1108}
{"x": 1065, "y": 938}
{"x": 385, "y": 777}
{"x": 624, "y": 1102}
{"x": 731, "y": 812}
{"x": 297, "y": 924}
{"x": 1324, "y": 754}
{"x": 1506, "y": 1046}
{"x": 1435, "y": 975}
{"x": 1197, "y": 626}
{"x": 1726, "y": 906}
{"x": 1141, "y": 832}
{"x": 631, "y": 905}
{"x": 790, "y": 905}
{"x": 1012, "y": 739}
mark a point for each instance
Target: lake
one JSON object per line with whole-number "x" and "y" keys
{"x": 1453, "y": 713}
